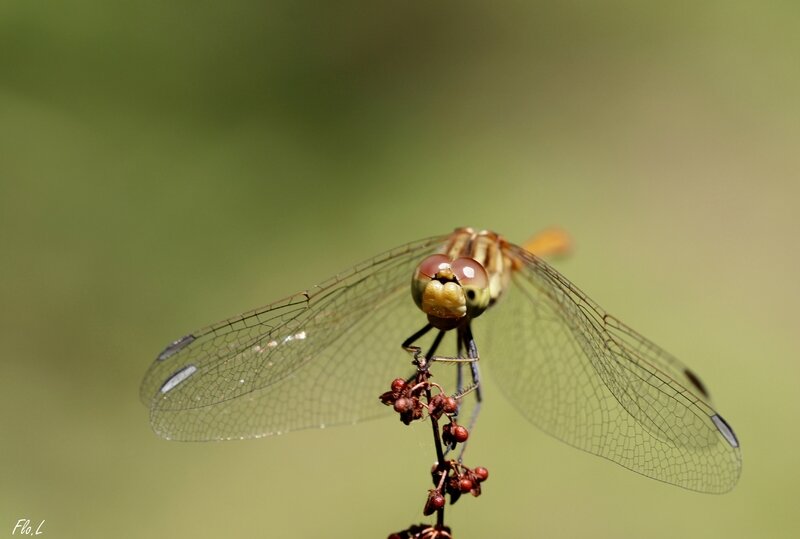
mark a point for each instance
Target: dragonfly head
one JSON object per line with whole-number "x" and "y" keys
{"x": 449, "y": 290}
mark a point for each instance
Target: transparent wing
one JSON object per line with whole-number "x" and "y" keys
{"x": 589, "y": 380}
{"x": 317, "y": 358}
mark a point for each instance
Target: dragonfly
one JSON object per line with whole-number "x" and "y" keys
{"x": 320, "y": 357}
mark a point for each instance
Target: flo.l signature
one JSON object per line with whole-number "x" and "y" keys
{"x": 25, "y": 527}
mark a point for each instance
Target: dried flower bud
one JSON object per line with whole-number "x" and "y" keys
{"x": 402, "y": 405}
{"x": 435, "y": 406}
{"x": 436, "y": 474}
{"x": 414, "y": 412}
{"x": 388, "y": 398}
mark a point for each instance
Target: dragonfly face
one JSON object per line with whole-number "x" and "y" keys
{"x": 450, "y": 291}
{"x": 320, "y": 358}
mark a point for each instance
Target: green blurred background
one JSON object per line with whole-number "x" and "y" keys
{"x": 165, "y": 165}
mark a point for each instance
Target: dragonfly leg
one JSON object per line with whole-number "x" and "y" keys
{"x": 468, "y": 340}
{"x": 465, "y": 335}
{"x": 464, "y": 341}
{"x": 459, "y": 383}
{"x": 407, "y": 344}
{"x": 423, "y": 362}
{"x": 436, "y": 342}
{"x": 459, "y": 371}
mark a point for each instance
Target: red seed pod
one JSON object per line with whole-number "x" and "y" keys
{"x": 450, "y": 405}
{"x": 435, "y": 501}
{"x": 465, "y": 484}
{"x": 398, "y": 384}
{"x": 460, "y": 434}
{"x": 481, "y": 473}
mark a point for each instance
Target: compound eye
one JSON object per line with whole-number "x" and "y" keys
{"x": 433, "y": 265}
{"x": 474, "y": 280}
{"x": 469, "y": 272}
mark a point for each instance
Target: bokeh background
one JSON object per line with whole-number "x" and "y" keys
{"x": 166, "y": 165}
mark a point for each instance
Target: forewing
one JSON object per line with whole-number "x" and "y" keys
{"x": 317, "y": 358}
{"x": 589, "y": 380}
